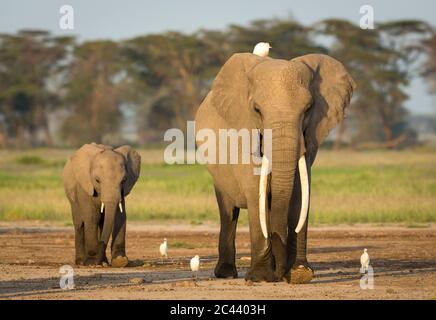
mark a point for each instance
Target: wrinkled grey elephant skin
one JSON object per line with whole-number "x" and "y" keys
{"x": 97, "y": 178}
{"x": 301, "y": 101}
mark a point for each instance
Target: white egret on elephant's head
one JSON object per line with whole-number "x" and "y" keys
{"x": 262, "y": 49}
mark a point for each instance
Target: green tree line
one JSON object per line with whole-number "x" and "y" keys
{"x": 55, "y": 91}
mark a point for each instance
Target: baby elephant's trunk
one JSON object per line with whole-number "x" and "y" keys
{"x": 110, "y": 210}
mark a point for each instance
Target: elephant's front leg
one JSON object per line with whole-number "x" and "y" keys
{"x": 91, "y": 223}
{"x": 118, "y": 246}
{"x": 91, "y": 242}
{"x": 229, "y": 213}
{"x": 300, "y": 269}
{"x": 262, "y": 265}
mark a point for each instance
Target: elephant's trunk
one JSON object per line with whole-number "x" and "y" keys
{"x": 109, "y": 218}
{"x": 111, "y": 204}
{"x": 285, "y": 154}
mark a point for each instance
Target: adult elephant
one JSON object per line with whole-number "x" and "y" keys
{"x": 300, "y": 100}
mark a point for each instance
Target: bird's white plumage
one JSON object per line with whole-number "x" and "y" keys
{"x": 262, "y": 49}
{"x": 163, "y": 249}
{"x": 195, "y": 263}
{"x": 364, "y": 260}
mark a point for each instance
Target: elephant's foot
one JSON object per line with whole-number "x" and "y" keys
{"x": 94, "y": 261}
{"x": 101, "y": 258}
{"x": 281, "y": 276}
{"x": 259, "y": 274}
{"x": 103, "y": 262}
{"x": 301, "y": 273}
{"x": 120, "y": 262}
{"x": 80, "y": 261}
{"x": 226, "y": 270}
{"x": 90, "y": 261}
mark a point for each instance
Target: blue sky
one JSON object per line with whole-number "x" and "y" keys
{"x": 123, "y": 19}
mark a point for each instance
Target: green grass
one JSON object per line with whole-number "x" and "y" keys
{"x": 30, "y": 160}
{"x": 182, "y": 245}
{"x": 348, "y": 187}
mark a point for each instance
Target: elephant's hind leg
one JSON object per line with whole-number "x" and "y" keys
{"x": 79, "y": 239}
{"x": 226, "y": 266}
{"x": 79, "y": 234}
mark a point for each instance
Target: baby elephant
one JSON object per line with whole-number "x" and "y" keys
{"x": 96, "y": 180}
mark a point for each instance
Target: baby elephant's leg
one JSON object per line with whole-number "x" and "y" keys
{"x": 80, "y": 243}
{"x": 79, "y": 236}
{"x": 118, "y": 247}
{"x": 91, "y": 233}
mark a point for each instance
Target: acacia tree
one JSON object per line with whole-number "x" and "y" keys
{"x": 94, "y": 93}
{"x": 429, "y": 71}
{"x": 381, "y": 62}
{"x": 402, "y": 41}
{"x": 429, "y": 67}
{"x": 31, "y": 63}
{"x": 173, "y": 69}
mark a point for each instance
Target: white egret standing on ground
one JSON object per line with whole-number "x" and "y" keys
{"x": 364, "y": 261}
{"x": 262, "y": 49}
{"x": 195, "y": 266}
{"x": 163, "y": 249}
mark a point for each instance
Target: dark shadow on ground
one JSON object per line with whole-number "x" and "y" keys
{"x": 335, "y": 274}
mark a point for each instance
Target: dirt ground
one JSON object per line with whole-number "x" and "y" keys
{"x": 403, "y": 259}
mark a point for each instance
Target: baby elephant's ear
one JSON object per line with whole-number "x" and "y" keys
{"x": 133, "y": 167}
{"x": 80, "y": 167}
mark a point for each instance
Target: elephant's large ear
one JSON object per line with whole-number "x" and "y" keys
{"x": 133, "y": 167}
{"x": 230, "y": 89}
{"x": 332, "y": 88}
{"x": 78, "y": 168}
{"x": 69, "y": 181}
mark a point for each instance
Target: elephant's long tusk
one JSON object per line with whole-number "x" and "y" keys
{"x": 120, "y": 206}
{"x": 102, "y": 207}
{"x": 302, "y": 169}
{"x": 262, "y": 195}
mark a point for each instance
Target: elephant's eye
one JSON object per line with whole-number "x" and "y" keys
{"x": 97, "y": 180}
{"x": 257, "y": 110}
